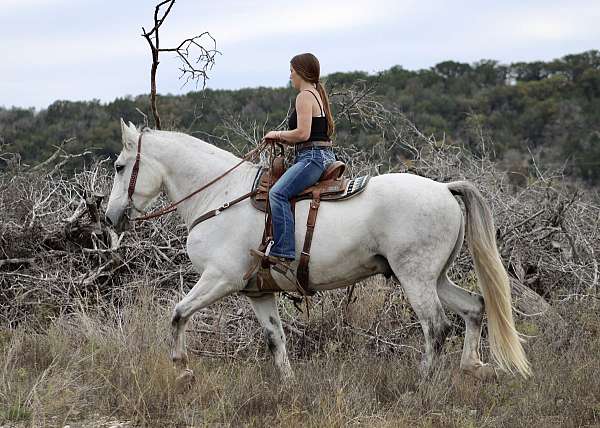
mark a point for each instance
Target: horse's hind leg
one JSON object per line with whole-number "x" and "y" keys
{"x": 470, "y": 307}
{"x": 265, "y": 308}
{"x": 422, "y": 295}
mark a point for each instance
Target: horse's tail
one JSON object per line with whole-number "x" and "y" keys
{"x": 505, "y": 341}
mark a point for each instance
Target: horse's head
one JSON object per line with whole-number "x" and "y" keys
{"x": 130, "y": 195}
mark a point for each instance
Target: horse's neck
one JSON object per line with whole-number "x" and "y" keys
{"x": 190, "y": 164}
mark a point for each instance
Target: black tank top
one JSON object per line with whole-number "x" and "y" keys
{"x": 318, "y": 128}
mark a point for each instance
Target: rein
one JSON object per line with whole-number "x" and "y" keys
{"x": 173, "y": 206}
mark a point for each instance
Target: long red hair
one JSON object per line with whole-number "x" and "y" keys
{"x": 308, "y": 67}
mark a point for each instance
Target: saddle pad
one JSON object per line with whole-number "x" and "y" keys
{"x": 331, "y": 190}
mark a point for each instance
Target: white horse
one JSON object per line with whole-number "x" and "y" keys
{"x": 402, "y": 225}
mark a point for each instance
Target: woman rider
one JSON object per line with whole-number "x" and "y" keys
{"x": 310, "y": 128}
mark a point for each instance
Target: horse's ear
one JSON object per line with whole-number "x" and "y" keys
{"x": 128, "y": 135}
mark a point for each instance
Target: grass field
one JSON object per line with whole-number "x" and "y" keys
{"x": 107, "y": 365}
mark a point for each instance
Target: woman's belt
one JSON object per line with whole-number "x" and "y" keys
{"x": 308, "y": 144}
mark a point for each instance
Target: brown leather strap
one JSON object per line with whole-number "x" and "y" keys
{"x": 305, "y": 255}
{"x": 135, "y": 170}
{"x": 267, "y": 235}
{"x": 219, "y": 210}
{"x": 268, "y": 229}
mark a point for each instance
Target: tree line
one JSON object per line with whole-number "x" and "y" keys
{"x": 550, "y": 109}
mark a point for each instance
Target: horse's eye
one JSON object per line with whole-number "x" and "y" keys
{"x": 119, "y": 168}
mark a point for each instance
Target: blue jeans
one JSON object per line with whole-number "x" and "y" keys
{"x": 308, "y": 167}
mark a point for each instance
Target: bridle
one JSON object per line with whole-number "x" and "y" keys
{"x": 173, "y": 206}
{"x": 134, "y": 175}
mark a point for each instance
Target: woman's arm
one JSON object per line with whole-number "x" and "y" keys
{"x": 302, "y": 132}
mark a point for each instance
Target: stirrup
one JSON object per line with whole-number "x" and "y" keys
{"x": 288, "y": 272}
{"x": 272, "y": 260}
{"x": 284, "y": 269}
{"x": 259, "y": 256}
{"x": 255, "y": 264}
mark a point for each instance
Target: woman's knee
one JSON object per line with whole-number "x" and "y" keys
{"x": 280, "y": 190}
{"x": 277, "y": 195}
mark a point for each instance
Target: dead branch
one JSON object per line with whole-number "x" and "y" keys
{"x": 15, "y": 261}
{"x": 54, "y": 156}
{"x": 79, "y": 212}
{"x": 194, "y": 67}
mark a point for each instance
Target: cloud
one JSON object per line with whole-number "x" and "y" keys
{"x": 55, "y": 48}
{"x": 11, "y": 6}
{"x": 275, "y": 19}
{"x": 556, "y": 24}
{"x": 67, "y": 50}
{"x": 246, "y": 22}
{"x": 508, "y": 32}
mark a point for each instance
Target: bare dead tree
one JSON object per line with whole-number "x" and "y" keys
{"x": 357, "y": 102}
{"x": 194, "y": 67}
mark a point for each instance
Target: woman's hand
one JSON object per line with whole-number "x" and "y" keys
{"x": 273, "y": 135}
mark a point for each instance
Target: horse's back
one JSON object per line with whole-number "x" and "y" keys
{"x": 390, "y": 197}
{"x": 396, "y": 215}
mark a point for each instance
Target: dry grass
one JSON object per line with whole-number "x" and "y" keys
{"x": 113, "y": 362}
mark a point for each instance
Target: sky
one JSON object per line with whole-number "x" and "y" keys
{"x": 92, "y": 49}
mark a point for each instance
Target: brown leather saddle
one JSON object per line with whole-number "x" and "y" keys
{"x": 332, "y": 186}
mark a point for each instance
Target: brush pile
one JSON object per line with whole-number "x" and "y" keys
{"x": 57, "y": 254}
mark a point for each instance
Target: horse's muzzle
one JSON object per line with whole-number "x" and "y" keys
{"x": 119, "y": 223}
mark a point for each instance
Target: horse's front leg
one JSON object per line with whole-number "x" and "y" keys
{"x": 212, "y": 286}
{"x": 265, "y": 308}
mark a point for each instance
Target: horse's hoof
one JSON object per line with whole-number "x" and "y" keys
{"x": 184, "y": 381}
{"x": 484, "y": 373}
{"x": 180, "y": 359}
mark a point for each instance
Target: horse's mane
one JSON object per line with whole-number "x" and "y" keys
{"x": 204, "y": 146}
